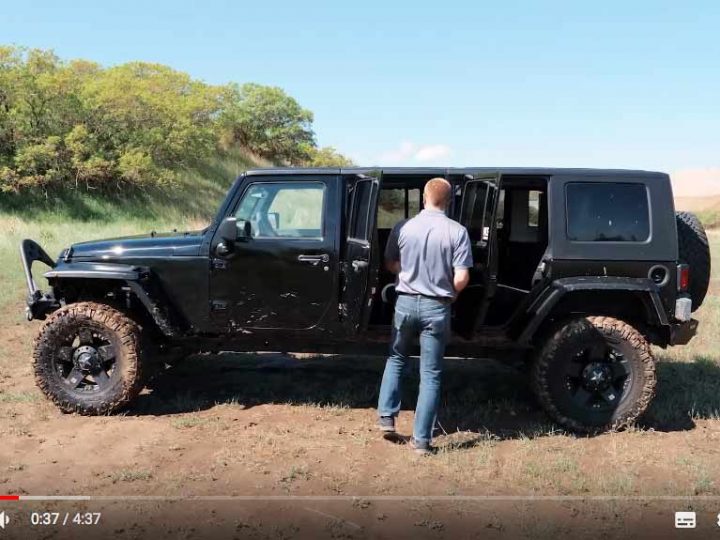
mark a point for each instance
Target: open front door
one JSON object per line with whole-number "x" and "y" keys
{"x": 477, "y": 213}
{"x": 360, "y": 259}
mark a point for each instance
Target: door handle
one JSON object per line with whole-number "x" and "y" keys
{"x": 359, "y": 266}
{"x": 314, "y": 259}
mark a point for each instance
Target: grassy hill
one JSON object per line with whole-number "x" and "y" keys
{"x": 194, "y": 197}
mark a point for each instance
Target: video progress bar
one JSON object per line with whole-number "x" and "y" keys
{"x": 379, "y": 498}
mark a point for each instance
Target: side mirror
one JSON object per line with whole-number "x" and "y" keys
{"x": 231, "y": 231}
{"x": 228, "y": 230}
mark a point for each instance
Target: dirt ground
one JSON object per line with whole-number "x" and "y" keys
{"x": 269, "y": 424}
{"x": 282, "y": 428}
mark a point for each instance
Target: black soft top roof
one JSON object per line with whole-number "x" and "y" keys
{"x": 441, "y": 171}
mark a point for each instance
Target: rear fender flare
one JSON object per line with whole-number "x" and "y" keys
{"x": 543, "y": 306}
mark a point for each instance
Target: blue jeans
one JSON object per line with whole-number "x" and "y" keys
{"x": 429, "y": 319}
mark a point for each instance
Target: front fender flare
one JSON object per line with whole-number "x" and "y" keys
{"x": 94, "y": 270}
{"x": 136, "y": 278}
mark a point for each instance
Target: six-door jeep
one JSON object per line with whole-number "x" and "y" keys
{"x": 578, "y": 271}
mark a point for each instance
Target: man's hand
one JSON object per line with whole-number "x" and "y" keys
{"x": 461, "y": 278}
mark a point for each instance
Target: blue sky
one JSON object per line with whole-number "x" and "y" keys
{"x": 596, "y": 84}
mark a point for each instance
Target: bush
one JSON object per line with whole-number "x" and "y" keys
{"x": 76, "y": 125}
{"x": 327, "y": 157}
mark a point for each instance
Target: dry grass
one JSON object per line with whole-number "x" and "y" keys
{"x": 707, "y": 208}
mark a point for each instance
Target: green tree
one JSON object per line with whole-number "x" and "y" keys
{"x": 327, "y": 156}
{"x": 74, "y": 125}
{"x": 156, "y": 109}
{"x": 268, "y": 122}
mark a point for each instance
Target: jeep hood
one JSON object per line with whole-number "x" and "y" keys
{"x": 138, "y": 247}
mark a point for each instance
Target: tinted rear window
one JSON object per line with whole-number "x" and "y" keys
{"x": 607, "y": 212}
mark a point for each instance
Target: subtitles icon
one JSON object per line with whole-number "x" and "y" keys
{"x": 4, "y": 520}
{"x": 685, "y": 520}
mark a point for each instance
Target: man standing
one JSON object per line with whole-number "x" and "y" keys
{"x": 431, "y": 254}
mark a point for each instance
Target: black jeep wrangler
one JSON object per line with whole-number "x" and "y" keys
{"x": 578, "y": 271}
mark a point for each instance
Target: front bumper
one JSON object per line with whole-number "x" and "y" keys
{"x": 682, "y": 333}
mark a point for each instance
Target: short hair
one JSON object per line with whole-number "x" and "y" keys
{"x": 437, "y": 192}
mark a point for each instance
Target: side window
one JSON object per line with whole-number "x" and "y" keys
{"x": 414, "y": 199}
{"x": 391, "y": 207}
{"x": 533, "y": 208}
{"x": 524, "y": 214}
{"x": 607, "y": 212}
{"x": 392, "y": 204}
{"x": 283, "y": 210}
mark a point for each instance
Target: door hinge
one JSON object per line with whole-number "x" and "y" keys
{"x": 218, "y": 305}
{"x": 218, "y": 264}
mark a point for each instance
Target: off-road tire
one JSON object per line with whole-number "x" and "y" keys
{"x": 126, "y": 337}
{"x": 694, "y": 249}
{"x": 548, "y": 374}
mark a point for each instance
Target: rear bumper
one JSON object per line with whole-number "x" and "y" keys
{"x": 682, "y": 333}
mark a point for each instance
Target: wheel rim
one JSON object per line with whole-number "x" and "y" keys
{"x": 598, "y": 377}
{"x": 86, "y": 360}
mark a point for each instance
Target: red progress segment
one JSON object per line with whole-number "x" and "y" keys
{"x": 9, "y": 497}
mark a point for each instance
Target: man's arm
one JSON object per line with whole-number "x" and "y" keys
{"x": 392, "y": 249}
{"x": 461, "y": 278}
{"x": 462, "y": 262}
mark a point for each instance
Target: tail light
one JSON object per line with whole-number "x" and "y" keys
{"x": 683, "y": 277}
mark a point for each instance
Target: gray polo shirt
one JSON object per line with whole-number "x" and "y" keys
{"x": 429, "y": 246}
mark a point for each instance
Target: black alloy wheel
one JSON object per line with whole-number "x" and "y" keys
{"x": 86, "y": 361}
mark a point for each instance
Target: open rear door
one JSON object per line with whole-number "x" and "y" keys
{"x": 477, "y": 214}
{"x": 360, "y": 259}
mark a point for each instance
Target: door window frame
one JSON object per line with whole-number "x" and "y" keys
{"x": 464, "y": 201}
{"x": 351, "y": 218}
{"x": 323, "y": 217}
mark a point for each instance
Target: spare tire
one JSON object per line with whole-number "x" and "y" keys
{"x": 694, "y": 250}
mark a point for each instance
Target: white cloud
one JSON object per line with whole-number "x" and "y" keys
{"x": 696, "y": 182}
{"x": 432, "y": 152}
{"x": 400, "y": 154}
{"x": 408, "y": 153}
